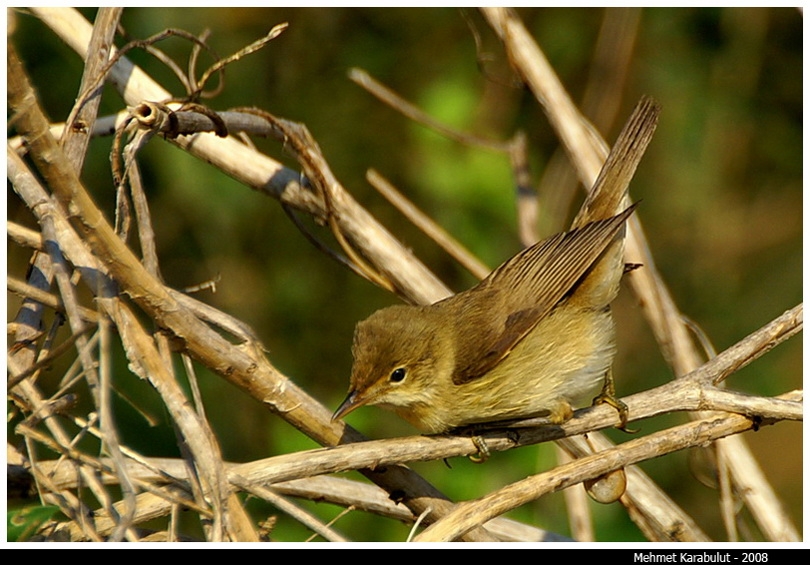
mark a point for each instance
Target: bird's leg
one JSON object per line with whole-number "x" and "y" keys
{"x": 561, "y": 412}
{"x": 483, "y": 450}
{"x": 608, "y": 396}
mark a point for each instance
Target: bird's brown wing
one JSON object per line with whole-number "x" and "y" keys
{"x": 499, "y": 312}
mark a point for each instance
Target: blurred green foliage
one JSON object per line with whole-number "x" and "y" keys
{"x": 721, "y": 189}
{"x": 22, "y": 524}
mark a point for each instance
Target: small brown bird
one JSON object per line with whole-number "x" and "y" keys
{"x": 535, "y": 338}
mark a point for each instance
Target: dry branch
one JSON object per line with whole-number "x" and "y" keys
{"x": 245, "y": 367}
{"x": 586, "y": 151}
{"x": 82, "y": 237}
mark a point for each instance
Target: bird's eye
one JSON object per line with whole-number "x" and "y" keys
{"x": 397, "y": 375}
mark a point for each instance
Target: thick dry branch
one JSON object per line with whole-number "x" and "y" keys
{"x": 262, "y": 173}
{"x": 385, "y": 453}
{"x": 246, "y": 366}
{"x": 528, "y": 60}
{"x": 681, "y": 394}
{"x": 657, "y": 516}
{"x": 83, "y": 115}
{"x": 62, "y": 178}
{"x": 378, "y": 454}
{"x": 74, "y": 144}
{"x": 472, "y": 514}
{"x": 243, "y": 367}
{"x": 586, "y": 151}
{"x": 340, "y": 491}
{"x": 24, "y": 236}
{"x": 46, "y": 298}
{"x": 690, "y": 393}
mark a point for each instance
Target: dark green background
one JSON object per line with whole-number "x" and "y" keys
{"x": 720, "y": 184}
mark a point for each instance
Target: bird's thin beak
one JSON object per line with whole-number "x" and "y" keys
{"x": 352, "y": 401}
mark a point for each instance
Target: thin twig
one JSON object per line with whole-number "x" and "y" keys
{"x": 245, "y": 51}
{"x": 249, "y": 369}
{"x": 421, "y": 220}
{"x": 587, "y": 150}
{"x": 388, "y": 96}
{"x": 240, "y": 365}
{"x": 302, "y": 516}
